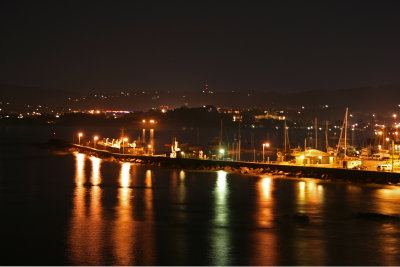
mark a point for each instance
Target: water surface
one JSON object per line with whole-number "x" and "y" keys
{"x": 71, "y": 209}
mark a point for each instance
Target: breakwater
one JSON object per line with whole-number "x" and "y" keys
{"x": 250, "y": 168}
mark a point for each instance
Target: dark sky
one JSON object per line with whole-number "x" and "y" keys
{"x": 240, "y": 45}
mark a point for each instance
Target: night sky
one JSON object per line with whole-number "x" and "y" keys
{"x": 241, "y": 45}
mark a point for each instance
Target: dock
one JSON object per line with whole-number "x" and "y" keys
{"x": 250, "y": 168}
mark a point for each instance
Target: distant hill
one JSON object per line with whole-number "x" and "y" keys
{"x": 19, "y": 96}
{"x": 367, "y": 100}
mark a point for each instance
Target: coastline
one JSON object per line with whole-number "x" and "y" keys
{"x": 248, "y": 168}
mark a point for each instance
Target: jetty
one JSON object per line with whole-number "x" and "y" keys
{"x": 243, "y": 167}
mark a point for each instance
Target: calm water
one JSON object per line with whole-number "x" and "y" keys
{"x": 70, "y": 209}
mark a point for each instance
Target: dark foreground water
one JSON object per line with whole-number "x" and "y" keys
{"x": 70, "y": 209}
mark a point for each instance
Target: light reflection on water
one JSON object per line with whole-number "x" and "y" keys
{"x": 87, "y": 223}
{"x": 95, "y": 178}
{"x": 132, "y": 232}
{"x": 124, "y": 225}
{"x": 221, "y": 236}
{"x": 265, "y": 240}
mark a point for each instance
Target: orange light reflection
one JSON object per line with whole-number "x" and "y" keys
{"x": 124, "y": 224}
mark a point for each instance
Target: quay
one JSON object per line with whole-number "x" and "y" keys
{"x": 250, "y": 168}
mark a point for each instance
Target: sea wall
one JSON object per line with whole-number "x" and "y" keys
{"x": 250, "y": 168}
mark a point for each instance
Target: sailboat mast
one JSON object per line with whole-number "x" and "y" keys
{"x": 344, "y": 129}
{"x": 326, "y": 135}
{"x": 316, "y": 133}
{"x": 285, "y": 134}
{"x": 345, "y": 132}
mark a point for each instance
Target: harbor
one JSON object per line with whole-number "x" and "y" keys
{"x": 243, "y": 167}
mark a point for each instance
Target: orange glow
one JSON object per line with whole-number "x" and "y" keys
{"x": 125, "y": 176}
{"x": 96, "y": 178}
{"x": 80, "y": 169}
{"x": 264, "y": 217}
{"x": 265, "y": 188}
{"x": 86, "y": 230}
{"x": 80, "y": 134}
{"x": 148, "y": 179}
{"x": 144, "y": 121}
{"x": 96, "y": 138}
{"x": 152, "y": 121}
{"x": 124, "y": 231}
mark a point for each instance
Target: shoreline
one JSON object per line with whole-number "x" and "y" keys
{"x": 241, "y": 167}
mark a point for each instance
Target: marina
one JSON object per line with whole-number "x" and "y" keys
{"x": 251, "y": 168}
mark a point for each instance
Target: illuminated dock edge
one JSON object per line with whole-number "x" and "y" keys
{"x": 250, "y": 168}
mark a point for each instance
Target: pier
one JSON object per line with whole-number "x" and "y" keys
{"x": 250, "y": 168}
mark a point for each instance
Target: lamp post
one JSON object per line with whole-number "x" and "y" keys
{"x": 123, "y": 144}
{"x": 392, "y": 155}
{"x": 79, "y": 138}
{"x": 95, "y": 140}
{"x": 221, "y": 153}
{"x": 149, "y": 124}
{"x": 149, "y": 146}
{"x": 264, "y": 145}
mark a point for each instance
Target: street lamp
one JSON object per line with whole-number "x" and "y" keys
{"x": 79, "y": 138}
{"x": 221, "y": 152}
{"x": 95, "y": 138}
{"x": 123, "y": 144}
{"x": 265, "y": 145}
{"x": 149, "y": 146}
{"x": 149, "y": 124}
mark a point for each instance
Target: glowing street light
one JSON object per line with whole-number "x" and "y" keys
{"x": 123, "y": 144}
{"x": 79, "y": 138}
{"x": 149, "y": 124}
{"x": 149, "y": 146}
{"x": 134, "y": 146}
{"x": 95, "y": 138}
{"x": 221, "y": 152}
{"x": 264, "y": 146}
